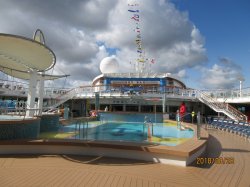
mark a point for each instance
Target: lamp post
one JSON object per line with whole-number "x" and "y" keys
{"x": 241, "y": 80}
{"x": 240, "y": 88}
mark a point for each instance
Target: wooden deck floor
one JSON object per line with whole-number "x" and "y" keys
{"x": 66, "y": 170}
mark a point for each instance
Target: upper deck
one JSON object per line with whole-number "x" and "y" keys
{"x": 11, "y": 89}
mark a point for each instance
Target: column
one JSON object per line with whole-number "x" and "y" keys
{"x": 168, "y": 108}
{"x": 154, "y": 107}
{"x": 31, "y": 94}
{"x": 202, "y": 109}
{"x": 40, "y": 95}
{"x": 164, "y": 103}
{"x": 97, "y": 101}
{"x": 162, "y": 85}
{"x": 198, "y": 134}
{"x": 124, "y": 108}
{"x": 105, "y": 82}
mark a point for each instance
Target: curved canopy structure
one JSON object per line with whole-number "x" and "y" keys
{"x": 24, "y": 54}
{"x": 26, "y": 75}
{"x": 26, "y": 58}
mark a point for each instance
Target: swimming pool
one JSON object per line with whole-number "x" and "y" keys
{"x": 10, "y": 117}
{"x": 161, "y": 133}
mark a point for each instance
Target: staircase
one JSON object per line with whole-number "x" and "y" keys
{"x": 73, "y": 93}
{"x": 204, "y": 97}
{"x": 225, "y": 108}
{"x": 63, "y": 98}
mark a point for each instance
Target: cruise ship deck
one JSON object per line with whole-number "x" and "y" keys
{"x": 138, "y": 93}
{"x": 68, "y": 170}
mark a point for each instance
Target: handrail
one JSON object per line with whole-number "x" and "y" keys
{"x": 64, "y": 97}
{"x": 169, "y": 91}
{"x": 222, "y": 107}
{"x": 19, "y": 111}
{"x": 229, "y": 93}
{"x": 236, "y": 112}
{"x": 54, "y": 91}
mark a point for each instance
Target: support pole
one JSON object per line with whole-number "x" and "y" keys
{"x": 164, "y": 103}
{"x": 168, "y": 108}
{"x": 240, "y": 88}
{"x": 198, "y": 125}
{"x": 40, "y": 95}
{"x": 124, "y": 108}
{"x": 155, "y": 112}
{"x": 97, "y": 101}
{"x": 31, "y": 94}
{"x": 178, "y": 119}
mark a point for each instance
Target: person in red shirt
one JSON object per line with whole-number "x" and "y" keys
{"x": 182, "y": 110}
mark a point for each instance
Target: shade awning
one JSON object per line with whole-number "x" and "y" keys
{"x": 26, "y": 75}
{"x": 24, "y": 54}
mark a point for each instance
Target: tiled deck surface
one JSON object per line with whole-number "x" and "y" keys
{"x": 98, "y": 171}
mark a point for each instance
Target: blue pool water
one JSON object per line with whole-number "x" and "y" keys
{"x": 8, "y": 117}
{"x": 130, "y": 117}
{"x": 137, "y": 132}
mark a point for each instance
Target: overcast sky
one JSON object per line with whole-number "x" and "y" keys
{"x": 83, "y": 32}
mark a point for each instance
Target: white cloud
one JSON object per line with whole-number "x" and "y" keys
{"x": 73, "y": 29}
{"x": 168, "y": 36}
{"x": 182, "y": 74}
{"x": 225, "y": 74}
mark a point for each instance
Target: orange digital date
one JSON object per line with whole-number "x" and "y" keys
{"x": 217, "y": 160}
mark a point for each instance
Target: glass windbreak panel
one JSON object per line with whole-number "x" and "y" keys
{"x": 129, "y": 127}
{"x": 159, "y": 133}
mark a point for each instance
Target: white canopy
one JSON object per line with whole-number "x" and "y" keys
{"x": 24, "y": 54}
{"x": 26, "y": 75}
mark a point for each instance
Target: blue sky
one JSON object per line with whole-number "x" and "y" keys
{"x": 225, "y": 24}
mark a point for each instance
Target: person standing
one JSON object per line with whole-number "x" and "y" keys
{"x": 178, "y": 119}
{"x": 106, "y": 109}
{"x": 182, "y": 110}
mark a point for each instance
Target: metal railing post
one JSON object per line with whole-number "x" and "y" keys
{"x": 198, "y": 125}
{"x": 178, "y": 119}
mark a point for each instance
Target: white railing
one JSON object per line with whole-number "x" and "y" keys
{"x": 225, "y": 108}
{"x": 89, "y": 92}
{"x": 15, "y": 88}
{"x": 19, "y": 111}
{"x": 63, "y": 98}
{"x": 209, "y": 97}
{"x": 21, "y": 88}
{"x": 229, "y": 93}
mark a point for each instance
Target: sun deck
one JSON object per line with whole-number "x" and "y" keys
{"x": 69, "y": 170}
